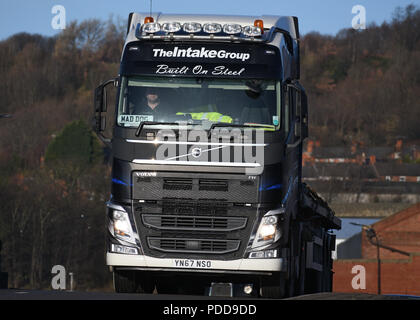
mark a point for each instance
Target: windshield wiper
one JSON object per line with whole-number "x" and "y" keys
{"x": 226, "y": 125}
{"x": 153, "y": 123}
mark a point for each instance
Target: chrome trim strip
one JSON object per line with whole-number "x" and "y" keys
{"x": 198, "y": 143}
{"x": 167, "y": 264}
{"x": 198, "y": 163}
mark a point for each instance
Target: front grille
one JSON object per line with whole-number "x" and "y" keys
{"x": 188, "y": 215}
{"x": 204, "y": 207}
{"x": 193, "y": 245}
{"x": 214, "y": 223}
{"x": 213, "y": 185}
{"x": 232, "y": 188}
{"x": 177, "y": 184}
{"x": 194, "y": 223}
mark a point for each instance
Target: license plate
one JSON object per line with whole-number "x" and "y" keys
{"x": 191, "y": 263}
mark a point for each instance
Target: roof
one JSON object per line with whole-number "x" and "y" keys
{"x": 397, "y": 218}
{"x": 339, "y": 170}
{"x": 332, "y": 152}
{"x": 378, "y": 152}
{"x": 398, "y": 169}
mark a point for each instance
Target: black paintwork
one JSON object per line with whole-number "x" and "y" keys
{"x": 264, "y": 61}
{"x": 276, "y": 186}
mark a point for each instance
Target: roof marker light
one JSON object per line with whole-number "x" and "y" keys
{"x": 259, "y": 24}
{"x": 148, "y": 20}
{"x": 212, "y": 28}
{"x": 192, "y": 27}
{"x": 232, "y": 28}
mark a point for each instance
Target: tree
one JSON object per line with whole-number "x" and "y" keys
{"x": 73, "y": 151}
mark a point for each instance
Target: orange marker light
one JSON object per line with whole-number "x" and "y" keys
{"x": 148, "y": 20}
{"x": 259, "y": 24}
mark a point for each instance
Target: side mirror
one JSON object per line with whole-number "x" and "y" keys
{"x": 99, "y": 103}
{"x": 100, "y": 107}
{"x": 99, "y": 99}
{"x": 304, "y": 116}
{"x": 300, "y": 117}
{"x": 301, "y": 126}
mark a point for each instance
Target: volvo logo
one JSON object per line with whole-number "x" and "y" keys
{"x": 143, "y": 174}
{"x": 196, "y": 152}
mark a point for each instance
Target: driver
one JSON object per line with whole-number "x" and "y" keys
{"x": 149, "y": 104}
{"x": 152, "y": 99}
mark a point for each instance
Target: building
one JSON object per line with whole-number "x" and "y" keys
{"x": 356, "y": 269}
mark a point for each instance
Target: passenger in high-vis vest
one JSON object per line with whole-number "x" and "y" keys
{"x": 210, "y": 116}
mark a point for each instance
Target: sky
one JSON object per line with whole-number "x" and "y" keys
{"x": 324, "y": 16}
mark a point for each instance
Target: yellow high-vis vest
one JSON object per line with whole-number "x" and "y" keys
{"x": 211, "y": 116}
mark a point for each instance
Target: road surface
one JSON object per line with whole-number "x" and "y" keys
{"x": 17, "y": 294}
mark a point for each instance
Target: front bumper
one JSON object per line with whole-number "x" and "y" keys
{"x": 169, "y": 264}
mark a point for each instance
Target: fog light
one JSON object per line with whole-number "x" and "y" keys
{"x": 248, "y": 289}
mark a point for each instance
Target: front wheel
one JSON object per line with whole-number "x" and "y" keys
{"x": 128, "y": 281}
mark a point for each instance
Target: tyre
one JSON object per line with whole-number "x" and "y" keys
{"x": 195, "y": 289}
{"x": 166, "y": 285}
{"x": 272, "y": 292}
{"x": 127, "y": 281}
{"x": 273, "y": 287}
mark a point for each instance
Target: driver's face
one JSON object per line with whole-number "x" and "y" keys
{"x": 152, "y": 97}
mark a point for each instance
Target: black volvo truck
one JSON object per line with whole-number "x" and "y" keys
{"x": 206, "y": 139}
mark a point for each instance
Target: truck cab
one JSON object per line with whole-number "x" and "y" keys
{"x": 207, "y": 133}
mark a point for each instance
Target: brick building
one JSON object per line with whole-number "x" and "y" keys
{"x": 400, "y": 274}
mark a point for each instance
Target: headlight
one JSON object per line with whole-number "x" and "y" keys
{"x": 120, "y": 225}
{"x": 269, "y": 230}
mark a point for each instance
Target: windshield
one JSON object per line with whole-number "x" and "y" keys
{"x": 202, "y": 102}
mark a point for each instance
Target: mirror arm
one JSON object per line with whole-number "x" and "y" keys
{"x": 294, "y": 145}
